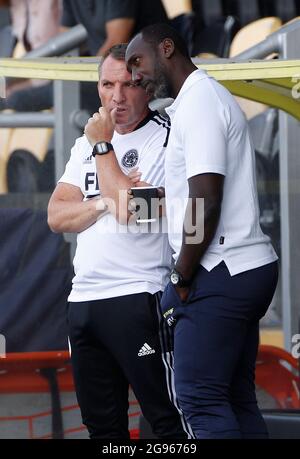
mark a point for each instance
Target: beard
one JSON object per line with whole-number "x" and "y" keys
{"x": 163, "y": 87}
{"x": 159, "y": 87}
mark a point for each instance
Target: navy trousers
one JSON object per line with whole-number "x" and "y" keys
{"x": 216, "y": 340}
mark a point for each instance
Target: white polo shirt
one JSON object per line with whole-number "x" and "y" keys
{"x": 209, "y": 134}
{"x": 110, "y": 260}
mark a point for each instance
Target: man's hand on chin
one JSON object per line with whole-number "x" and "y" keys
{"x": 100, "y": 127}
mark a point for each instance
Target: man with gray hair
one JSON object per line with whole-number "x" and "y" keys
{"x": 116, "y": 333}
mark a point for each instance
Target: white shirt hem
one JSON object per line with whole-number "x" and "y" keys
{"x": 233, "y": 270}
{"x": 101, "y": 294}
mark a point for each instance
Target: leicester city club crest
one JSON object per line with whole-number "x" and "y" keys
{"x": 130, "y": 158}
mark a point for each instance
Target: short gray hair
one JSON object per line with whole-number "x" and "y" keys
{"x": 116, "y": 52}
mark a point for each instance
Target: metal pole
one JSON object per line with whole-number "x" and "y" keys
{"x": 66, "y": 102}
{"x": 26, "y": 120}
{"x": 262, "y": 49}
{"x": 272, "y": 44}
{"x": 289, "y": 130}
{"x": 286, "y": 42}
{"x": 78, "y": 118}
{"x": 60, "y": 44}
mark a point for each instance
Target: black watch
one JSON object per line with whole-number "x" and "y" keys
{"x": 101, "y": 148}
{"x": 177, "y": 279}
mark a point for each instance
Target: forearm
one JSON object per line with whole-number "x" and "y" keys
{"x": 117, "y": 31}
{"x": 74, "y": 217}
{"x": 114, "y": 185}
{"x": 195, "y": 244}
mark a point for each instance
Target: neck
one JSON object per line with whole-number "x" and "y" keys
{"x": 184, "y": 68}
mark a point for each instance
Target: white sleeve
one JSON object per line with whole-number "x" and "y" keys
{"x": 153, "y": 163}
{"x": 203, "y": 129}
{"x": 73, "y": 167}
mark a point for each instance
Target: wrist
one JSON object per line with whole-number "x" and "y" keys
{"x": 102, "y": 148}
{"x": 103, "y": 138}
{"x": 178, "y": 279}
{"x": 187, "y": 270}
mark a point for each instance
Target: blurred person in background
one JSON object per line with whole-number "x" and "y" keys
{"x": 107, "y": 22}
{"x": 33, "y": 24}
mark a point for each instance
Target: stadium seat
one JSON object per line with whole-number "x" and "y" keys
{"x": 207, "y": 56}
{"x": 253, "y": 33}
{"x": 245, "y": 38}
{"x": 277, "y": 372}
{"x": 37, "y": 373}
{"x": 34, "y": 140}
{"x": 297, "y": 18}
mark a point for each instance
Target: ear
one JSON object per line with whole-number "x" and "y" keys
{"x": 167, "y": 47}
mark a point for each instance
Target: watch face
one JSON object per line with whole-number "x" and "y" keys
{"x": 102, "y": 147}
{"x": 174, "y": 278}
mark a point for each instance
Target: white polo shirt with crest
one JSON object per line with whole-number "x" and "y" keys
{"x": 209, "y": 134}
{"x": 110, "y": 260}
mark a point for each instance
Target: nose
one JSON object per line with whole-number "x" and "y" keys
{"x": 135, "y": 75}
{"x": 118, "y": 94}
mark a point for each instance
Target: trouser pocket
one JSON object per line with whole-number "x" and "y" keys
{"x": 171, "y": 304}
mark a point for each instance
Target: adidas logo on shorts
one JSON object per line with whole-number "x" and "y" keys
{"x": 145, "y": 350}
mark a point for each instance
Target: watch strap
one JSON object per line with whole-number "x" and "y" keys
{"x": 181, "y": 281}
{"x": 101, "y": 148}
